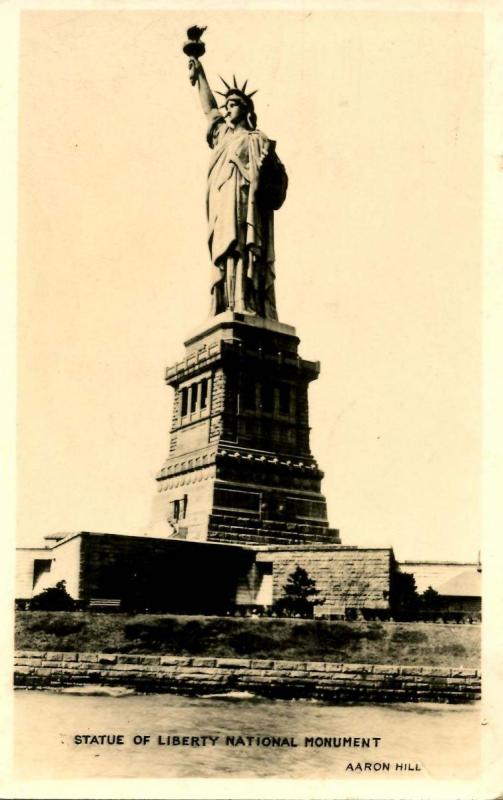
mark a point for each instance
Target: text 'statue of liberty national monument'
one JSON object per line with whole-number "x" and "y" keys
{"x": 240, "y": 468}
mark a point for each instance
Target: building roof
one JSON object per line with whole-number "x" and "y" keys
{"x": 466, "y": 584}
{"x": 448, "y": 578}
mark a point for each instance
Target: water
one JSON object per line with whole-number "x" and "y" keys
{"x": 441, "y": 740}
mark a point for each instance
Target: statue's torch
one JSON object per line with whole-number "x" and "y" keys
{"x": 194, "y": 48}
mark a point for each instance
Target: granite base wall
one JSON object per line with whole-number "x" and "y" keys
{"x": 346, "y": 577}
{"x": 270, "y": 678}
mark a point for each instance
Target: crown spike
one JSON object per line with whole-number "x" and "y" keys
{"x": 235, "y": 82}
{"x": 243, "y": 88}
{"x": 222, "y": 94}
{"x": 252, "y": 93}
{"x": 224, "y": 82}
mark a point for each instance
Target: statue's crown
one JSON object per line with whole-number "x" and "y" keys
{"x": 235, "y": 91}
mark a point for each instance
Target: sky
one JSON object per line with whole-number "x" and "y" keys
{"x": 378, "y": 119}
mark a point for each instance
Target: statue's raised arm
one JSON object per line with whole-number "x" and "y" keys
{"x": 198, "y": 77}
{"x": 246, "y": 183}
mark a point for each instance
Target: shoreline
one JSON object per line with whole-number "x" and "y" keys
{"x": 269, "y": 678}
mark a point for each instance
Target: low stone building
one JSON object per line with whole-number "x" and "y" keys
{"x": 183, "y": 576}
{"x": 346, "y": 577}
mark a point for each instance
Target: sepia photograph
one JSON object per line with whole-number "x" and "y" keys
{"x": 251, "y": 471}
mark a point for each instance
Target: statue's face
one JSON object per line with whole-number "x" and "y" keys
{"x": 234, "y": 111}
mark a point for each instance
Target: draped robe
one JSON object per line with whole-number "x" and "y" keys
{"x": 239, "y": 226}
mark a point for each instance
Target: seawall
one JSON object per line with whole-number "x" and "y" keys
{"x": 270, "y": 678}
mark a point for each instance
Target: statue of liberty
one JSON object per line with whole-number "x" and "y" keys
{"x": 246, "y": 184}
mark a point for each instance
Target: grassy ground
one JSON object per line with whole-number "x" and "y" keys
{"x": 302, "y": 640}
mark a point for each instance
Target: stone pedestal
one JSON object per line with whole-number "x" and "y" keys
{"x": 240, "y": 468}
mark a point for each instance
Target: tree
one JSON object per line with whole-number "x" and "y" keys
{"x": 55, "y": 598}
{"x": 299, "y": 595}
{"x": 404, "y": 599}
{"x": 430, "y": 599}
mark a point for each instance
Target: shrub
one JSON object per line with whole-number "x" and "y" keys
{"x": 153, "y": 631}
{"x": 169, "y": 633}
{"x": 250, "y": 643}
{"x": 455, "y": 649}
{"x": 60, "y": 625}
{"x": 406, "y": 636}
{"x": 55, "y": 598}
